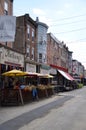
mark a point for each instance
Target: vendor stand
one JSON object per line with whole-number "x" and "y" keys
{"x": 45, "y": 88}
{"x": 9, "y": 95}
{"x": 40, "y": 82}
{"x": 32, "y": 83}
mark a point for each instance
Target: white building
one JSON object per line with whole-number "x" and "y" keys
{"x": 41, "y": 41}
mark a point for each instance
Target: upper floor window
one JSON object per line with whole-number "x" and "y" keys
{"x": 28, "y": 51}
{"x": 5, "y": 8}
{"x": 32, "y": 57}
{"x": 28, "y": 32}
{"x": 40, "y": 57}
{"x": 33, "y": 34}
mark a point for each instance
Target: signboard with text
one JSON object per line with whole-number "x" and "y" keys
{"x": 7, "y": 28}
{"x": 12, "y": 58}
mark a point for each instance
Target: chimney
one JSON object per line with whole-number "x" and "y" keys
{"x": 37, "y": 19}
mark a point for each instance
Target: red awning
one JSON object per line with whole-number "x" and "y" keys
{"x": 59, "y": 67}
{"x": 66, "y": 75}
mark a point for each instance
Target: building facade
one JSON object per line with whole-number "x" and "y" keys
{"x": 64, "y": 55}
{"x": 6, "y": 7}
{"x": 25, "y": 40}
{"x": 41, "y": 41}
{"x": 53, "y": 55}
{"x": 78, "y": 70}
{"x": 70, "y": 62}
{"x": 42, "y": 29}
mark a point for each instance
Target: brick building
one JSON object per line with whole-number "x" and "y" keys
{"x": 6, "y": 7}
{"x": 52, "y": 50}
{"x": 25, "y": 41}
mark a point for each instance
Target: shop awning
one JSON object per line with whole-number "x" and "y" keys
{"x": 66, "y": 75}
{"x": 59, "y": 67}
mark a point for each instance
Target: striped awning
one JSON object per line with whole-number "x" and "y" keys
{"x": 66, "y": 75}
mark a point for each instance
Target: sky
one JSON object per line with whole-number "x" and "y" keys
{"x": 66, "y": 20}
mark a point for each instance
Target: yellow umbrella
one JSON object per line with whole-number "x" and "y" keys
{"x": 14, "y": 72}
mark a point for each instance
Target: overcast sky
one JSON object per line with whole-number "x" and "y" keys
{"x": 66, "y": 20}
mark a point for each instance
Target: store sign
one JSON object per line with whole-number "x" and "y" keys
{"x": 53, "y": 71}
{"x": 12, "y": 58}
{"x": 7, "y": 28}
{"x": 44, "y": 71}
{"x": 30, "y": 67}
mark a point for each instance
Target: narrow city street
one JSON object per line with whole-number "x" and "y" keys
{"x": 64, "y": 111}
{"x": 70, "y": 116}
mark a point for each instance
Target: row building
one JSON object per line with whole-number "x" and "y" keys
{"x": 34, "y": 49}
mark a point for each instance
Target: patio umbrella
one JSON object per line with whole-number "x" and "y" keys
{"x": 14, "y": 72}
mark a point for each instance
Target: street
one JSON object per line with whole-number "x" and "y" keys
{"x": 64, "y": 111}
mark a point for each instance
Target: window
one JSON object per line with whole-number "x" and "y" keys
{"x": 44, "y": 58}
{"x": 5, "y": 8}
{"x": 28, "y": 51}
{"x": 41, "y": 40}
{"x": 33, "y": 34}
{"x": 40, "y": 57}
{"x": 28, "y": 32}
{"x": 32, "y": 57}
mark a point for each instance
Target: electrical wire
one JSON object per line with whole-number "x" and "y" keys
{"x": 72, "y": 17}
{"x": 60, "y": 24}
{"x": 71, "y": 30}
{"x": 76, "y": 41}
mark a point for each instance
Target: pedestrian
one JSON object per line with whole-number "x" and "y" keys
{"x": 34, "y": 93}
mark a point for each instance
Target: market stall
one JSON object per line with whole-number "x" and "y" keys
{"x": 39, "y": 84}
{"x": 45, "y": 89}
{"x": 24, "y": 87}
{"x": 10, "y": 92}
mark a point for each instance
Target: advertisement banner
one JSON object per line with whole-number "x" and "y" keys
{"x": 7, "y": 28}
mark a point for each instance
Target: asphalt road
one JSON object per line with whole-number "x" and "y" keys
{"x": 65, "y": 113}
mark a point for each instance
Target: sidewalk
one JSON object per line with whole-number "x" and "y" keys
{"x": 7, "y": 113}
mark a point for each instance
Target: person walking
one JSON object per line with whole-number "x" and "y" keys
{"x": 34, "y": 94}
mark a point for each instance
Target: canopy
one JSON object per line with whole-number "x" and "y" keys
{"x": 66, "y": 75}
{"x": 14, "y": 72}
{"x": 39, "y": 75}
{"x": 45, "y": 76}
{"x": 32, "y": 73}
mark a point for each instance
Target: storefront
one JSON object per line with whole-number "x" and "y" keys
{"x": 44, "y": 69}
{"x": 63, "y": 77}
{"x": 30, "y": 67}
{"x": 9, "y": 60}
